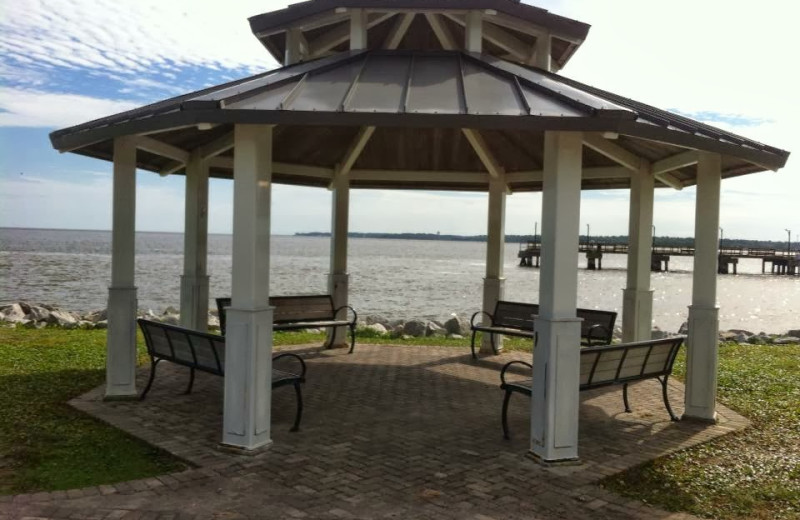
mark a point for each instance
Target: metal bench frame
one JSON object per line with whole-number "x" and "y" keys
{"x": 302, "y": 312}
{"x": 204, "y": 343}
{"x": 660, "y": 371}
{"x": 516, "y": 319}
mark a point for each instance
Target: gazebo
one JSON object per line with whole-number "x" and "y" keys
{"x": 417, "y": 95}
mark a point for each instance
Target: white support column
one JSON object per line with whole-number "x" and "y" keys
{"x": 338, "y": 278}
{"x": 556, "y": 361}
{"x": 637, "y": 298}
{"x": 494, "y": 283}
{"x": 194, "y": 282}
{"x": 543, "y": 52}
{"x": 358, "y": 29}
{"x": 248, "y": 357}
{"x": 122, "y": 303}
{"x": 703, "y": 343}
{"x": 293, "y": 52}
{"x": 474, "y": 32}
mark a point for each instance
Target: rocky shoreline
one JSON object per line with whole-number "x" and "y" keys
{"x": 39, "y": 316}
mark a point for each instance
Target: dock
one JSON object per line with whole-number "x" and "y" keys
{"x": 780, "y": 262}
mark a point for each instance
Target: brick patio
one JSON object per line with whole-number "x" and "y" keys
{"x": 387, "y": 432}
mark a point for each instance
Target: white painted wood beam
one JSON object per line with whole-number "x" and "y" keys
{"x": 294, "y": 51}
{"x": 516, "y": 49}
{"x": 398, "y": 31}
{"x": 355, "y": 149}
{"x": 473, "y": 32}
{"x": 544, "y": 50}
{"x": 216, "y": 147}
{"x": 154, "y": 146}
{"x": 441, "y": 31}
{"x": 613, "y": 151}
{"x": 486, "y": 156}
{"x": 420, "y": 176}
{"x": 339, "y": 35}
{"x": 662, "y": 168}
{"x": 280, "y": 168}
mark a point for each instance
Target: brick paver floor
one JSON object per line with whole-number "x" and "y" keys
{"x": 388, "y": 432}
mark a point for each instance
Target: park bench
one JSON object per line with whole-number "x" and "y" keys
{"x": 302, "y": 312}
{"x": 608, "y": 365}
{"x": 206, "y": 353}
{"x": 516, "y": 319}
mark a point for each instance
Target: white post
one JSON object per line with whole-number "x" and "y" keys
{"x": 543, "y": 52}
{"x": 703, "y": 342}
{"x": 358, "y": 29}
{"x": 637, "y": 298}
{"x": 494, "y": 283}
{"x": 338, "y": 278}
{"x": 474, "y": 32}
{"x": 293, "y": 52}
{"x": 556, "y": 359}
{"x": 194, "y": 282}
{"x": 122, "y": 303}
{"x": 248, "y": 347}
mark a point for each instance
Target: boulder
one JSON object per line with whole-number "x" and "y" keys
{"x": 684, "y": 328}
{"x": 13, "y": 313}
{"x": 659, "y": 334}
{"x": 741, "y": 338}
{"x": 455, "y": 336}
{"x": 742, "y": 331}
{"x": 95, "y": 316}
{"x": 457, "y": 325}
{"x": 102, "y": 324}
{"x": 62, "y": 319}
{"x": 381, "y": 320}
{"x": 795, "y": 333}
{"x": 617, "y": 333}
{"x": 171, "y": 311}
{"x": 213, "y": 320}
{"x": 415, "y": 328}
{"x": 377, "y": 329}
{"x": 727, "y": 335}
{"x": 787, "y": 340}
{"x": 38, "y": 314}
{"x": 759, "y": 339}
{"x": 434, "y": 329}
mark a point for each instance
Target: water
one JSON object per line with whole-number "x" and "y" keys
{"x": 400, "y": 279}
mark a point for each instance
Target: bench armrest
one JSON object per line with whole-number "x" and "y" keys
{"x": 594, "y": 328}
{"x": 355, "y": 315}
{"x": 472, "y": 319}
{"x": 295, "y": 356}
{"x": 506, "y": 367}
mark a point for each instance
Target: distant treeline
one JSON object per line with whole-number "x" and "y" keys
{"x": 613, "y": 239}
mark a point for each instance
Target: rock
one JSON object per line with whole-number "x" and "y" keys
{"x": 62, "y": 319}
{"x": 38, "y": 313}
{"x": 415, "y": 328}
{"x": 85, "y": 324}
{"x": 380, "y": 320}
{"x": 170, "y": 319}
{"x": 13, "y": 313}
{"x": 406, "y": 337}
{"x": 759, "y": 339}
{"x": 455, "y": 336}
{"x": 213, "y": 320}
{"x": 741, "y": 338}
{"x": 727, "y": 335}
{"x": 659, "y": 334}
{"x": 376, "y": 328}
{"x": 617, "y": 333}
{"x": 684, "y": 328}
{"x": 742, "y": 331}
{"x": 457, "y": 325}
{"x": 313, "y": 331}
{"x": 434, "y": 329}
{"x": 95, "y": 316}
{"x": 795, "y": 333}
{"x": 102, "y": 324}
{"x": 170, "y": 310}
{"x": 787, "y": 340}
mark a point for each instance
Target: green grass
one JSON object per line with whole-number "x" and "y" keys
{"x": 752, "y": 474}
{"x": 47, "y": 445}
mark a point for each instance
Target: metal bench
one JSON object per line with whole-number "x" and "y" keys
{"x": 611, "y": 365}
{"x": 206, "y": 352}
{"x": 516, "y": 319}
{"x": 302, "y": 312}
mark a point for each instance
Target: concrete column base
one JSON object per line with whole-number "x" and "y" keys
{"x": 701, "y": 363}
{"x": 121, "y": 343}
{"x": 637, "y": 315}
{"x": 194, "y": 302}
{"x": 339, "y": 287}
{"x": 493, "y": 290}
{"x": 555, "y": 399}
{"x": 248, "y": 369}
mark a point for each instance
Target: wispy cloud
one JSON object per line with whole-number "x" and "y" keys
{"x": 34, "y": 108}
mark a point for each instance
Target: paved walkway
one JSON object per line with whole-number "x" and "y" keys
{"x": 388, "y": 432}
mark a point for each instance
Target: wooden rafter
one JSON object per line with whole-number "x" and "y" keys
{"x": 443, "y": 34}
{"x": 486, "y": 156}
{"x": 398, "y": 31}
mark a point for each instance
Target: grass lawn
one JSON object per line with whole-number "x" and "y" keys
{"x": 752, "y": 474}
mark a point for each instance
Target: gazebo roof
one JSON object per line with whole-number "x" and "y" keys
{"x": 420, "y": 102}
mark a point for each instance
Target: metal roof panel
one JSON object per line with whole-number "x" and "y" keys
{"x": 435, "y": 85}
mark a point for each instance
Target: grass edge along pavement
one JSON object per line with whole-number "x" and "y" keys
{"x": 54, "y": 446}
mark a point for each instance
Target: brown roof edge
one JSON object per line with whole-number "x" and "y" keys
{"x": 282, "y": 18}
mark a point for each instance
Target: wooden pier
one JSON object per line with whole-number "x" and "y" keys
{"x": 781, "y": 262}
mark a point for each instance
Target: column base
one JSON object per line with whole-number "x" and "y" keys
{"x": 339, "y": 287}
{"x": 530, "y": 454}
{"x": 493, "y": 290}
{"x": 248, "y": 369}
{"x": 701, "y": 363}
{"x": 194, "y": 302}
{"x": 247, "y": 452}
{"x": 637, "y": 314}
{"x": 121, "y": 343}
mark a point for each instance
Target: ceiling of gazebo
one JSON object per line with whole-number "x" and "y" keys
{"x": 408, "y": 111}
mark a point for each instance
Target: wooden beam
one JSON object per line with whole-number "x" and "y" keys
{"x": 310, "y": 23}
{"x": 441, "y": 31}
{"x": 356, "y": 147}
{"x": 339, "y": 35}
{"x": 216, "y": 147}
{"x": 676, "y": 162}
{"x": 494, "y": 34}
{"x": 398, "y": 31}
{"x": 420, "y": 176}
{"x": 148, "y": 144}
{"x": 613, "y": 151}
{"x": 484, "y": 153}
{"x": 281, "y": 168}
{"x": 600, "y": 173}
{"x": 473, "y": 32}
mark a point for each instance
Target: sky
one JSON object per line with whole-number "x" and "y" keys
{"x": 729, "y": 63}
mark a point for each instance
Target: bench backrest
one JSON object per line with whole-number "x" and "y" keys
{"x": 289, "y": 309}
{"x": 597, "y": 326}
{"x": 183, "y": 346}
{"x": 612, "y": 364}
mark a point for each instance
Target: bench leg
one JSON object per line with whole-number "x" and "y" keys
{"x": 153, "y": 365}
{"x": 352, "y": 338}
{"x": 331, "y": 335}
{"x": 472, "y": 344}
{"x": 494, "y": 346}
{"x": 666, "y": 398}
{"x": 299, "y": 414}
{"x": 625, "y": 397}
{"x": 505, "y": 415}
{"x": 191, "y": 381}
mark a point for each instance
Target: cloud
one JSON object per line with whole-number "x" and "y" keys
{"x": 35, "y": 108}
